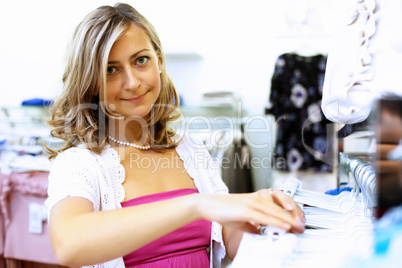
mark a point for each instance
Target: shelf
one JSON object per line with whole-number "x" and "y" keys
{"x": 183, "y": 55}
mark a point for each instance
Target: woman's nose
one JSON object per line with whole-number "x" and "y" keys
{"x": 131, "y": 79}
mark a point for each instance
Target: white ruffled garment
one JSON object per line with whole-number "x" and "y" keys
{"x": 364, "y": 62}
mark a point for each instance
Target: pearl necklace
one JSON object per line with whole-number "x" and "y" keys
{"x": 130, "y": 144}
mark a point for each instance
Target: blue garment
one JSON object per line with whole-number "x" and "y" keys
{"x": 36, "y": 102}
{"x": 338, "y": 190}
{"x": 386, "y": 228}
{"x": 387, "y": 243}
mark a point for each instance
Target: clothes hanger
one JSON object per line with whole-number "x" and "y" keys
{"x": 327, "y": 211}
{"x": 344, "y": 233}
{"x": 340, "y": 203}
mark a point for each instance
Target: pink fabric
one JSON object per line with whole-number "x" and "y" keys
{"x": 185, "y": 247}
{"x": 30, "y": 183}
{"x": 1, "y": 223}
{"x": 18, "y": 190}
{"x": 19, "y": 243}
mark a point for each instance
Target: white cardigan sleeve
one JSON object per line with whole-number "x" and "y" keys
{"x": 73, "y": 173}
{"x": 79, "y": 172}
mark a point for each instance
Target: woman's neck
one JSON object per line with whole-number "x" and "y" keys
{"x": 133, "y": 130}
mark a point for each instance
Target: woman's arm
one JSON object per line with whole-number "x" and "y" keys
{"x": 81, "y": 236}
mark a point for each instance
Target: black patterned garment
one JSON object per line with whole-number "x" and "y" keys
{"x": 295, "y": 101}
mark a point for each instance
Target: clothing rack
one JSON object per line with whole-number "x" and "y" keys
{"x": 336, "y": 227}
{"x": 363, "y": 176}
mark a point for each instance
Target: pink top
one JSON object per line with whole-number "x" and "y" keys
{"x": 185, "y": 247}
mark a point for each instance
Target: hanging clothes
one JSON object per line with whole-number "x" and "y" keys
{"x": 364, "y": 61}
{"x": 236, "y": 168}
{"x": 295, "y": 101}
{"x": 234, "y": 160}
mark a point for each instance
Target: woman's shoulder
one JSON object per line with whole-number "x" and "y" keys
{"x": 75, "y": 156}
{"x": 76, "y": 152}
{"x": 80, "y": 157}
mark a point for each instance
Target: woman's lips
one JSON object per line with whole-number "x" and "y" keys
{"x": 136, "y": 99}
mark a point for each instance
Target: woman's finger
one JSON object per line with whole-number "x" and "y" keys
{"x": 290, "y": 205}
{"x": 260, "y": 218}
{"x": 287, "y": 203}
{"x": 270, "y": 209}
{"x": 284, "y": 200}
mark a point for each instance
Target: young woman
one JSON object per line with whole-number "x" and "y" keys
{"x": 126, "y": 191}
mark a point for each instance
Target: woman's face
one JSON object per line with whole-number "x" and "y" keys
{"x": 133, "y": 79}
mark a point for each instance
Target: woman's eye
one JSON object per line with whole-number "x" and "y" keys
{"x": 142, "y": 60}
{"x": 110, "y": 70}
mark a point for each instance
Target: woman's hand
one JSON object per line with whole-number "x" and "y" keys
{"x": 287, "y": 203}
{"x": 248, "y": 211}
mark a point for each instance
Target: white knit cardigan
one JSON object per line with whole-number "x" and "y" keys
{"x": 98, "y": 178}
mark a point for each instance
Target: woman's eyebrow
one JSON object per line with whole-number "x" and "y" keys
{"x": 132, "y": 56}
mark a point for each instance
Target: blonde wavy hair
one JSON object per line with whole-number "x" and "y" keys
{"x": 79, "y": 115}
